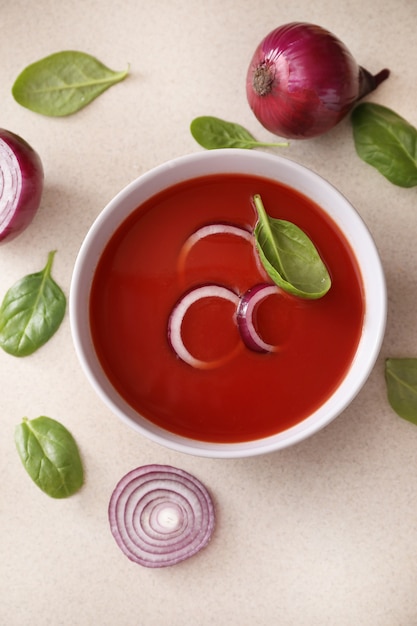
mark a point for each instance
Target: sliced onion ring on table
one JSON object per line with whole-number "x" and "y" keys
{"x": 177, "y": 317}
{"x": 160, "y": 515}
{"x": 245, "y": 317}
{"x": 21, "y": 184}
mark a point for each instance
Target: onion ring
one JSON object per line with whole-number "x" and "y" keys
{"x": 245, "y": 317}
{"x": 160, "y": 515}
{"x": 177, "y": 317}
{"x": 208, "y": 231}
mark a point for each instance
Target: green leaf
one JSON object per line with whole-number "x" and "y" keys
{"x": 213, "y": 133}
{"x": 50, "y": 456}
{"x": 31, "y": 312}
{"x": 386, "y": 141}
{"x": 401, "y": 380}
{"x": 289, "y": 256}
{"x": 63, "y": 83}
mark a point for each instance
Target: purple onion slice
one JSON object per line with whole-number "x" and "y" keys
{"x": 246, "y": 316}
{"x": 160, "y": 515}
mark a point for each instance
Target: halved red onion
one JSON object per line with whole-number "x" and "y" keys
{"x": 177, "y": 316}
{"x": 21, "y": 184}
{"x": 208, "y": 231}
{"x": 160, "y": 515}
{"x": 245, "y": 317}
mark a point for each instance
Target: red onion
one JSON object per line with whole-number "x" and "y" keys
{"x": 302, "y": 81}
{"x": 21, "y": 184}
{"x": 160, "y": 515}
{"x": 245, "y": 317}
{"x": 177, "y": 317}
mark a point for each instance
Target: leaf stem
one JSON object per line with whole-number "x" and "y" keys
{"x": 107, "y": 80}
{"x": 266, "y": 226}
{"x": 48, "y": 267}
{"x": 266, "y": 144}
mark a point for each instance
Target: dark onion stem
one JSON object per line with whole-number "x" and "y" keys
{"x": 263, "y": 78}
{"x": 369, "y": 82}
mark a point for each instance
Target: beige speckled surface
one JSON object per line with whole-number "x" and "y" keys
{"x": 321, "y": 534}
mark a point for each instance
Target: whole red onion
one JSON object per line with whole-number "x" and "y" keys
{"x": 302, "y": 81}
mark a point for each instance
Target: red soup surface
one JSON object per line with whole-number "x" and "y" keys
{"x": 146, "y": 269}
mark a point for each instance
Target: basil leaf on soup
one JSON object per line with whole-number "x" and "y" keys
{"x": 31, "y": 312}
{"x": 289, "y": 256}
{"x": 50, "y": 456}
{"x": 63, "y": 83}
{"x": 213, "y": 133}
{"x": 401, "y": 380}
{"x": 386, "y": 141}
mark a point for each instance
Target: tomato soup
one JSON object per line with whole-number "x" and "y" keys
{"x": 146, "y": 272}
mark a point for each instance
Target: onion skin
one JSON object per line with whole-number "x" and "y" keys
{"x": 302, "y": 81}
{"x": 18, "y": 204}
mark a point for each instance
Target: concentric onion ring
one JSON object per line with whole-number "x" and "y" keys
{"x": 21, "y": 184}
{"x": 177, "y": 317}
{"x": 160, "y": 515}
{"x": 10, "y": 182}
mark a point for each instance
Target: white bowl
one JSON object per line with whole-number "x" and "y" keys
{"x": 269, "y": 166}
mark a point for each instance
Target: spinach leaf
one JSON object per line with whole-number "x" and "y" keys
{"x": 63, "y": 83}
{"x": 50, "y": 456}
{"x": 289, "y": 256}
{"x": 212, "y": 133}
{"x": 386, "y": 141}
{"x": 31, "y": 312}
{"x": 401, "y": 380}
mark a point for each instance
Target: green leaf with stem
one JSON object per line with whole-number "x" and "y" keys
{"x": 214, "y": 133}
{"x": 63, "y": 83}
{"x": 31, "y": 312}
{"x": 289, "y": 256}
{"x": 50, "y": 456}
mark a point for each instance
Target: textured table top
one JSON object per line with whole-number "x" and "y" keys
{"x": 320, "y": 534}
